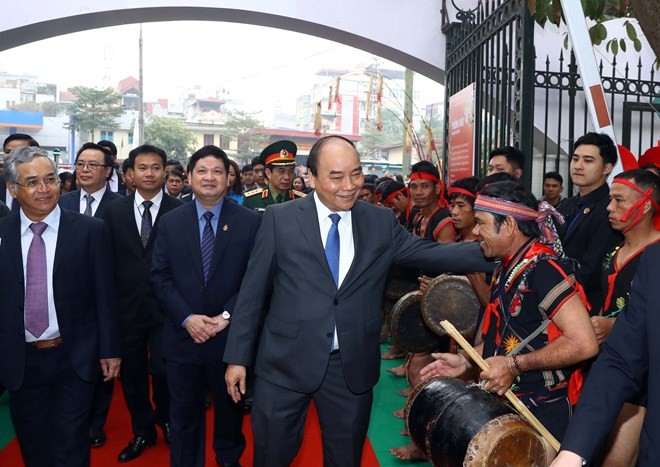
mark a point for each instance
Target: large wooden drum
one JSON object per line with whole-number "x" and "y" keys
{"x": 455, "y": 424}
{"x": 450, "y": 298}
{"x": 408, "y": 329}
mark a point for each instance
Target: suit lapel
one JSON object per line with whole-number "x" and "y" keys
{"x": 225, "y": 228}
{"x": 64, "y": 235}
{"x": 309, "y": 226}
{"x": 13, "y": 243}
{"x": 190, "y": 226}
{"x": 359, "y": 222}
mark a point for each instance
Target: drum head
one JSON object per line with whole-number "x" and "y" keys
{"x": 407, "y": 326}
{"x": 450, "y": 298}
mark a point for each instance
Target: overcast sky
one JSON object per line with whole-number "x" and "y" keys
{"x": 257, "y": 65}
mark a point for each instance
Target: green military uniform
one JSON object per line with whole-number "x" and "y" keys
{"x": 279, "y": 154}
{"x": 261, "y": 197}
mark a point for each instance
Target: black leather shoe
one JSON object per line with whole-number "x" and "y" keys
{"x": 97, "y": 438}
{"x": 134, "y": 449}
{"x": 165, "y": 428}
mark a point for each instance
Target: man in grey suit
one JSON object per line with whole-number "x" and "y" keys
{"x": 315, "y": 280}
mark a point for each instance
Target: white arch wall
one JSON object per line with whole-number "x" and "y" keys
{"x": 404, "y": 32}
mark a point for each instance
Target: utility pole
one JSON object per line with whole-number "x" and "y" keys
{"x": 407, "y": 119}
{"x": 140, "y": 134}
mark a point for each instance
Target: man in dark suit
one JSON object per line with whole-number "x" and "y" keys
{"x": 316, "y": 277}
{"x": 629, "y": 361}
{"x": 133, "y": 223}
{"x": 587, "y": 234}
{"x": 199, "y": 260}
{"x": 93, "y": 167}
{"x": 115, "y": 182}
{"x": 60, "y": 267}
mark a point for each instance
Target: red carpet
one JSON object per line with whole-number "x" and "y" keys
{"x": 119, "y": 433}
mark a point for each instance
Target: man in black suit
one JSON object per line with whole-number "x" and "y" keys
{"x": 12, "y": 142}
{"x": 199, "y": 260}
{"x": 93, "y": 167}
{"x": 115, "y": 182}
{"x": 60, "y": 267}
{"x": 629, "y": 361}
{"x": 320, "y": 334}
{"x": 133, "y": 223}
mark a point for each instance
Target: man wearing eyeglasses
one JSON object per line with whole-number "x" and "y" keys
{"x": 93, "y": 167}
{"x": 58, "y": 318}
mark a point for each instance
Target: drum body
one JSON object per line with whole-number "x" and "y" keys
{"x": 455, "y": 424}
{"x": 450, "y": 298}
{"x": 408, "y": 329}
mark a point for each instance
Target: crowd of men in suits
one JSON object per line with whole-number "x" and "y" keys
{"x": 180, "y": 293}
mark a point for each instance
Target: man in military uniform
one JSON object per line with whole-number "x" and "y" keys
{"x": 279, "y": 159}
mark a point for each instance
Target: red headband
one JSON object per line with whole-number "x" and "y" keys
{"x": 393, "y": 195}
{"x": 424, "y": 175}
{"x": 461, "y": 191}
{"x": 635, "y": 209}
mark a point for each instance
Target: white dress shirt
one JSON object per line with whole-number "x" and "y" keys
{"x": 9, "y": 199}
{"x": 113, "y": 181}
{"x": 138, "y": 208}
{"x": 50, "y": 240}
{"x": 346, "y": 246}
{"x": 97, "y": 195}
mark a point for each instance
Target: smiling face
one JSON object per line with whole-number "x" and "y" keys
{"x": 493, "y": 239}
{"x": 588, "y": 168}
{"x": 38, "y": 201}
{"x": 208, "y": 180}
{"x": 339, "y": 176}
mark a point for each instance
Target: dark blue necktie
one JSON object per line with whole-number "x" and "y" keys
{"x": 208, "y": 239}
{"x": 332, "y": 247}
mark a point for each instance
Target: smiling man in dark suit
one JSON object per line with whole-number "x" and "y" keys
{"x": 320, "y": 337}
{"x": 199, "y": 260}
{"x": 58, "y": 319}
{"x": 93, "y": 167}
{"x": 133, "y": 223}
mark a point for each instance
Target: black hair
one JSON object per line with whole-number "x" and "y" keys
{"x": 21, "y": 137}
{"x": 302, "y": 179}
{"x": 516, "y": 193}
{"x": 495, "y": 178}
{"x": 390, "y": 186}
{"x": 256, "y": 161}
{"x": 369, "y": 186}
{"x": 425, "y": 167}
{"x": 371, "y": 178}
{"x": 175, "y": 173}
{"x": 247, "y": 168}
{"x": 467, "y": 183}
{"x": 237, "y": 188}
{"x": 125, "y": 165}
{"x": 513, "y": 156}
{"x": 209, "y": 150}
{"x": 110, "y": 145}
{"x": 645, "y": 180}
{"x": 605, "y": 145}
{"x": 313, "y": 159}
{"x": 177, "y": 164}
{"x": 108, "y": 161}
{"x": 555, "y": 176}
{"x": 144, "y": 149}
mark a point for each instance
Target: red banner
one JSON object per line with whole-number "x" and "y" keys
{"x": 460, "y": 154}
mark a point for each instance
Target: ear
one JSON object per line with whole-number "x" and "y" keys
{"x": 607, "y": 168}
{"x": 437, "y": 188}
{"x": 12, "y": 190}
{"x": 510, "y": 225}
{"x": 517, "y": 173}
{"x": 312, "y": 180}
{"x": 646, "y": 207}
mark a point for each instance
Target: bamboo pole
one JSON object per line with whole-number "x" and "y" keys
{"x": 519, "y": 406}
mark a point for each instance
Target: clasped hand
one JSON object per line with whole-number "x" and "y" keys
{"x": 201, "y": 327}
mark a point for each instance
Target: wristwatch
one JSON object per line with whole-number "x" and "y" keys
{"x": 226, "y": 315}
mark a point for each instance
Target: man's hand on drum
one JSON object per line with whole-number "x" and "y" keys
{"x": 445, "y": 364}
{"x": 500, "y": 376}
{"x": 423, "y": 282}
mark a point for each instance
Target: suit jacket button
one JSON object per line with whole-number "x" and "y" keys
{"x": 336, "y": 302}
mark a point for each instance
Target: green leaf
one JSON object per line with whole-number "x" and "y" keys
{"x": 598, "y": 33}
{"x": 631, "y": 31}
{"x": 638, "y": 45}
{"x": 566, "y": 41}
{"x": 531, "y": 6}
{"x": 599, "y": 8}
{"x": 622, "y": 45}
{"x": 615, "y": 47}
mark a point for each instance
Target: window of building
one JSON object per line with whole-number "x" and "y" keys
{"x": 130, "y": 138}
{"x": 108, "y": 135}
{"x": 224, "y": 142}
{"x": 208, "y": 139}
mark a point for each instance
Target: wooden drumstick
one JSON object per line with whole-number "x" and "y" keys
{"x": 519, "y": 406}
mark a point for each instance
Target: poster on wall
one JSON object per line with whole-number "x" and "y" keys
{"x": 460, "y": 149}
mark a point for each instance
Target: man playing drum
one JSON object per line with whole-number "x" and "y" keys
{"x": 535, "y": 329}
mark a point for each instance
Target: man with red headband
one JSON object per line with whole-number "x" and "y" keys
{"x": 427, "y": 192}
{"x": 279, "y": 159}
{"x": 535, "y": 328}
{"x": 395, "y": 195}
{"x": 633, "y": 207}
